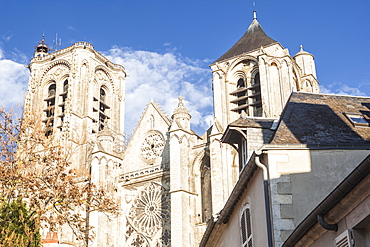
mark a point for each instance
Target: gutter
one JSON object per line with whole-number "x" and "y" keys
{"x": 267, "y": 198}
{"x": 350, "y": 182}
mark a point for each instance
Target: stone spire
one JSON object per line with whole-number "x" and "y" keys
{"x": 253, "y": 39}
{"x": 181, "y": 115}
{"x": 306, "y": 62}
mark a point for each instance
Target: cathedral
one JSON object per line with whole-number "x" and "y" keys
{"x": 170, "y": 182}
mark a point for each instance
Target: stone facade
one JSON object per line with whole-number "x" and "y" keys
{"x": 169, "y": 181}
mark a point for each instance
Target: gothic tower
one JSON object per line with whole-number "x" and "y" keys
{"x": 257, "y": 76}
{"x": 252, "y": 82}
{"x": 170, "y": 181}
{"x": 79, "y": 96}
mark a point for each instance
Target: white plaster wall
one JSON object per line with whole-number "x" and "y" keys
{"x": 301, "y": 179}
{"x": 254, "y": 195}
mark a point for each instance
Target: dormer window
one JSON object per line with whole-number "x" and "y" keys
{"x": 248, "y": 96}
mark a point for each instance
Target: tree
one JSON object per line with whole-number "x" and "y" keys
{"x": 38, "y": 170}
{"x": 17, "y": 226}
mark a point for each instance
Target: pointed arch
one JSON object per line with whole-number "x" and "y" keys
{"x": 185, "y": 138}
{"x": 62, "y": 63}
{"x": 241, "y": 59}
{"x": 109, "y": 83}
{"x": 246, "y": 95}
{"x": 173, "y": 137}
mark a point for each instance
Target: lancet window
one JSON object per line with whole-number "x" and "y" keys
{"x": 247, "y": 96}
{"x": 103, "y": 109}
{"x": 50, "y": 109}
{"x": 206, "y": 189}
{"x": 246, "y": 227}
{"x": 62, "y": 106}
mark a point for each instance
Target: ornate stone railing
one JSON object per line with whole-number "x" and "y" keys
{"x": 126, "y": 177}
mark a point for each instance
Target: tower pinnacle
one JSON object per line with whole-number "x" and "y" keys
{"x": 41, "y": 49}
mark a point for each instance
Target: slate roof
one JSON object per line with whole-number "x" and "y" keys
{"x": 232, "y": 134}
{"x": 321, "y": 119}
{"x": 253, "y": 123}
{"x": 253, "y": 39}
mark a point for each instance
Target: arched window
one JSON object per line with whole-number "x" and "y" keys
{"x": 50, "y": 109}
{"x": 241, "y": 97}
{"x": 64, "y": 96}
{"x": 206, "y": 189}
{"x": 255, "y": 96}
{"x": 248, "y": 96}
{"x": 103, "y": 107}
{"x": 246, "y": 227}
{"x": 151, "y": 122}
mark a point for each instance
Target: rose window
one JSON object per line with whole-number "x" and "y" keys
{"x": 152, "y": 146}
{"x": 150, "y": 210}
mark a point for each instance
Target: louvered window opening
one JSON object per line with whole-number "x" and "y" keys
{"x": 50, "y": 110}
{"x": 345, "y": 239}
{"x": 62, "y": 106}
{"x": 248, "y": 98}
{"x": 246, "y": 228}
{"x": 102, "y": 109}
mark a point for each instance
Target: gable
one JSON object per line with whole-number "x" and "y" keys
{"x": 148, "y": 145}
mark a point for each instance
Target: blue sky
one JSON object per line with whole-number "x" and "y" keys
{"x": 171, "y": 43}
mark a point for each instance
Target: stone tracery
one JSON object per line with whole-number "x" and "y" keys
{"x": 150, "y": 214}
{"x": 152, "y": 146}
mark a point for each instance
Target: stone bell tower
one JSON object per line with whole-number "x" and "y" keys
{"x": 257, "y": 75}
{"x": 78, "y": 94}
{"x": 252, "y": 82}
{"x": 76, "y": 91}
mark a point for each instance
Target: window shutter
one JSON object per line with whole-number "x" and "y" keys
{"x": 246, "y": 227}
{"x": 344, "y": 240}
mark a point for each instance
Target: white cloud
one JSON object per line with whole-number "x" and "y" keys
{"x": 163, "y": 78}
{"x": 7, "y": 37}
{"x": 19, "y": 56}
{"x": 13, "y": 82}
{"x": 72, "y": 28}
{"x": 341, "y": 89}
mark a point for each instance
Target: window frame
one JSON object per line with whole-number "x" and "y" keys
{"x": 246, "y": 233}
{"x": 352, "y": 116}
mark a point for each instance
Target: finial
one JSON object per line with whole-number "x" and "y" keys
{"x": 301, "y": 46}
{"x": 254, "y": 15}
{"x": 43, "y": 39}
{"x": 180, "y": 100}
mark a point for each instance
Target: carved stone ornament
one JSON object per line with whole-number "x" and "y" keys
{"x": 149, "y": 217}
{"x": 152, "y": 146}
{"x": 101, "y": 77}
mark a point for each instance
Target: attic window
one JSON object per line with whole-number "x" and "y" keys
{"x": 358, "y": 119}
